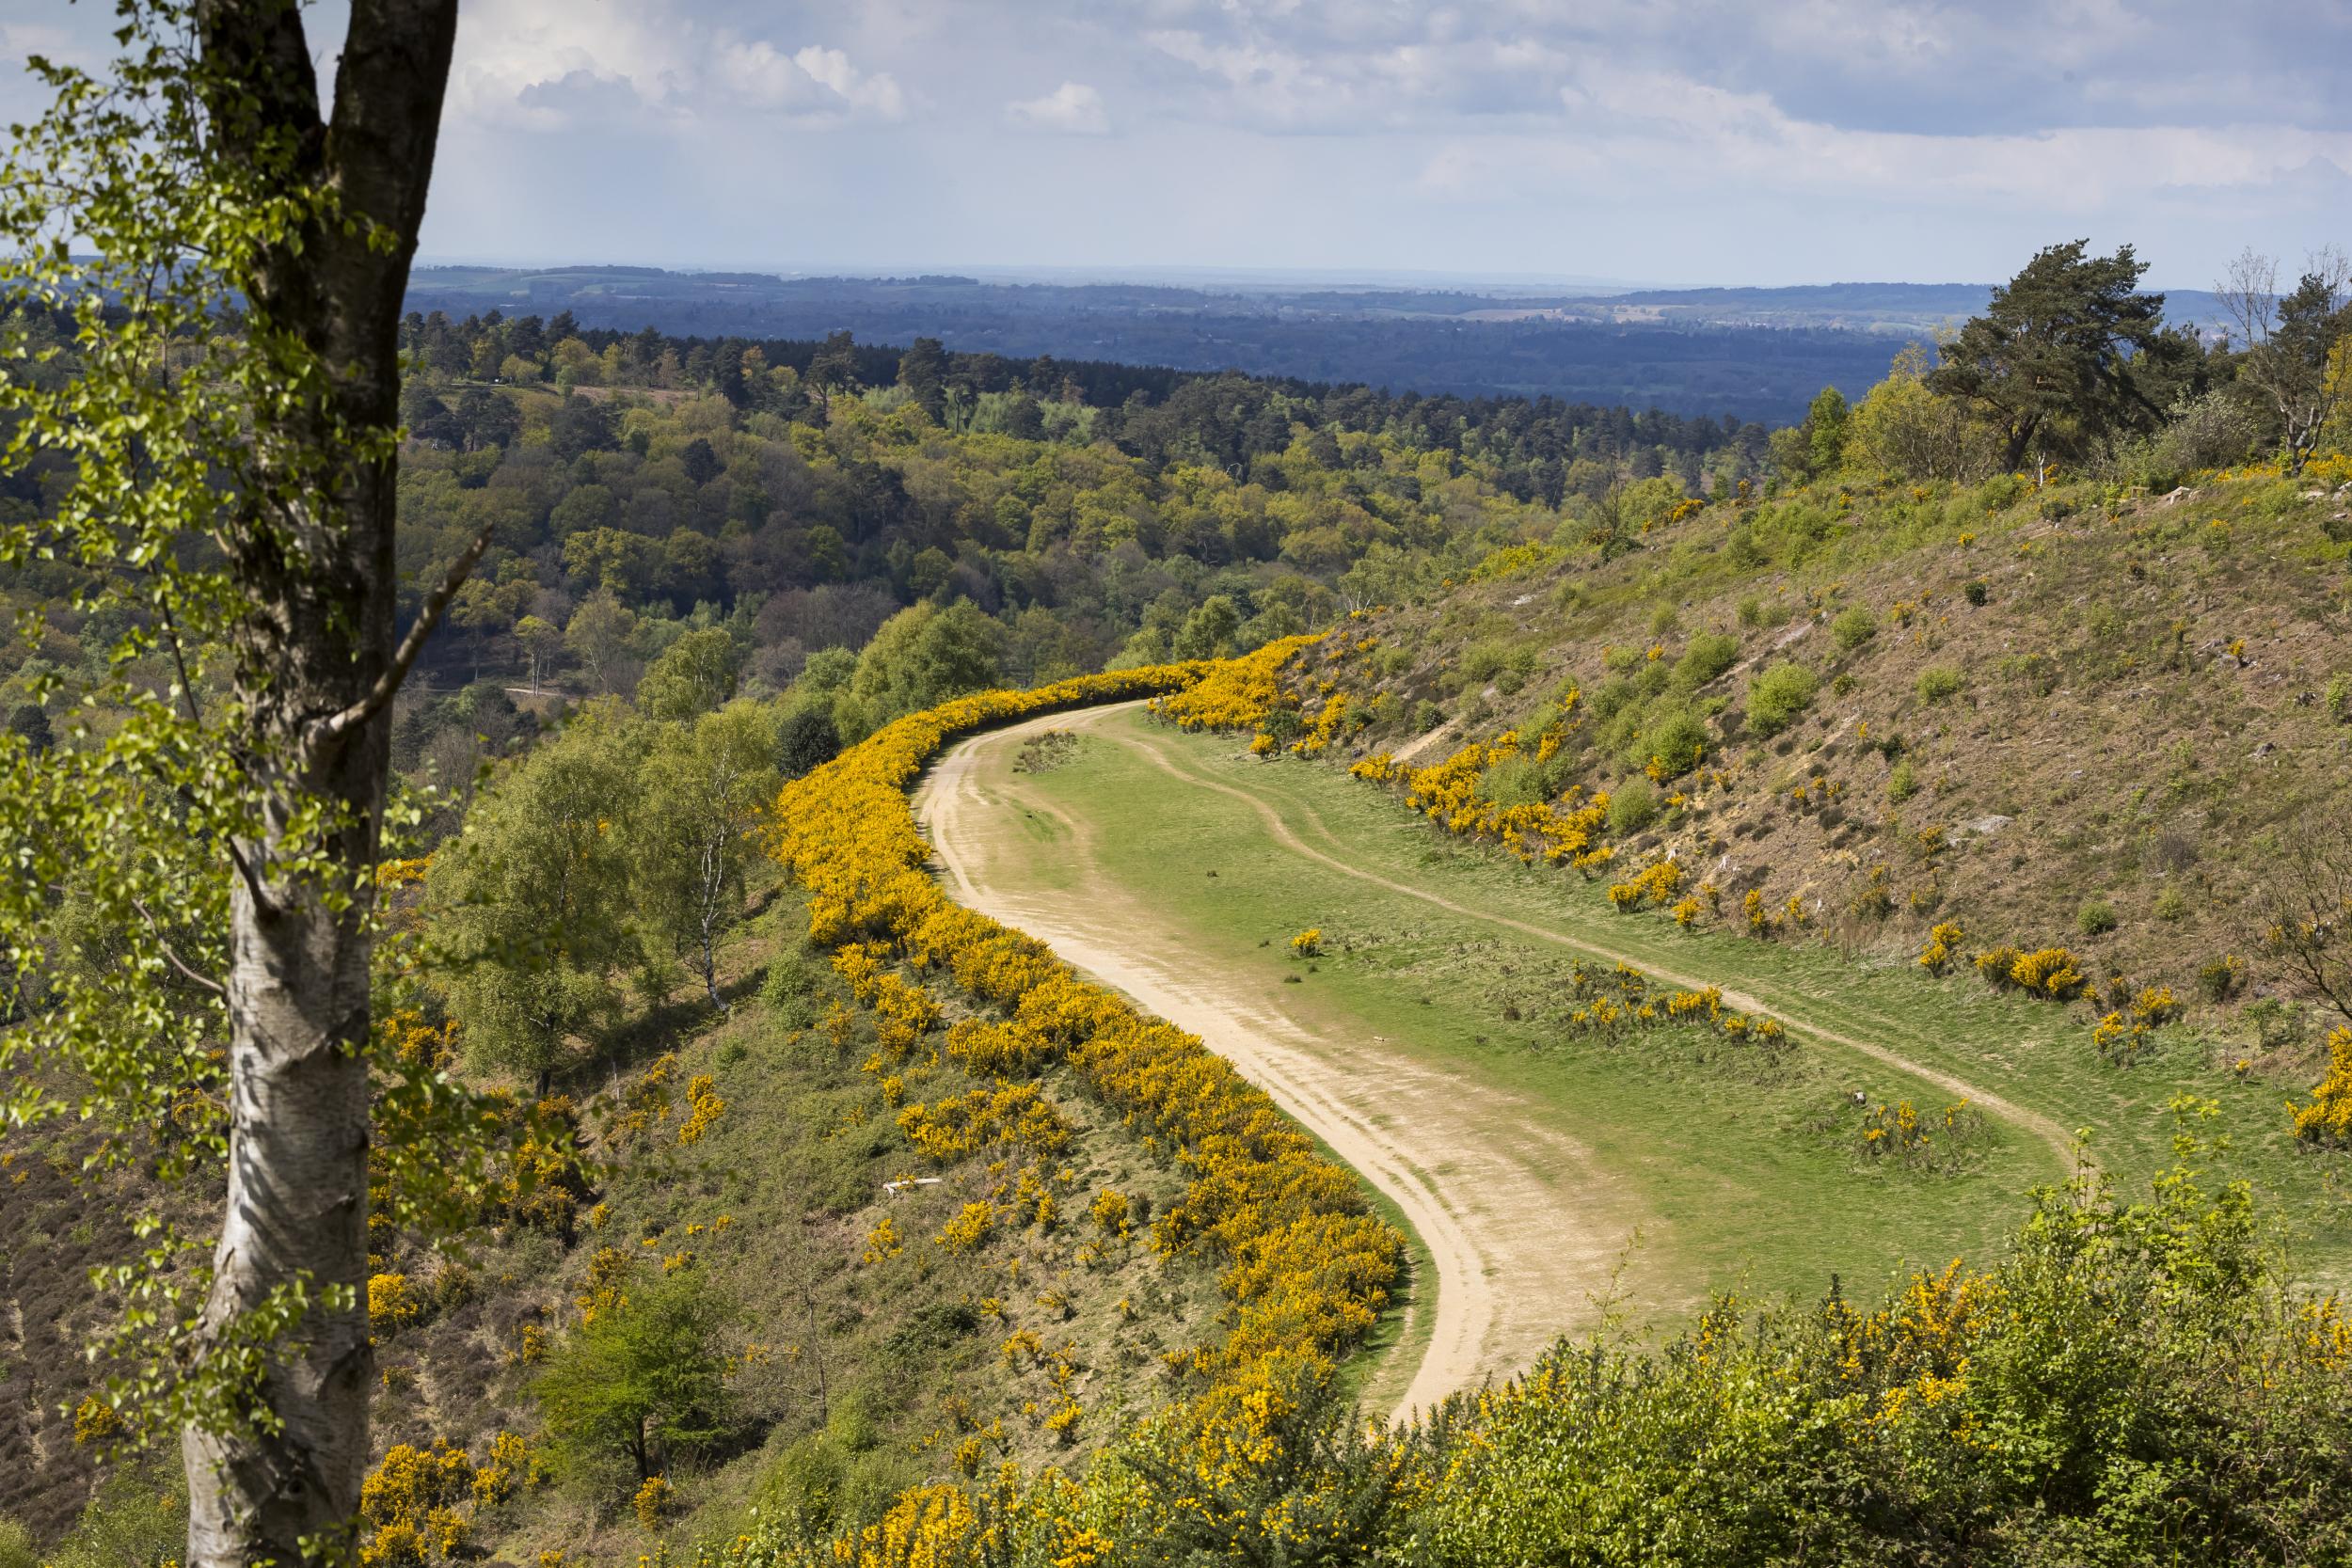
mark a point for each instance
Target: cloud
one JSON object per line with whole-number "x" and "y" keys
{"x": 555, "y": 65}
{"x": 878, "y": 94}
{"x": 1629, "y": 130}
{"x": 1072, "y": 109}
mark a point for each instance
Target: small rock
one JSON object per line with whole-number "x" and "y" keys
{"x": 1985, "y": 826}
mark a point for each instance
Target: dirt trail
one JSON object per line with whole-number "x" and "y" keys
{"x": 1524, "y": 1226}
{"x": 2061, "y": 1141}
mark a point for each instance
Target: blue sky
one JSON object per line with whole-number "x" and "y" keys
{"x": 1669, "y": 141}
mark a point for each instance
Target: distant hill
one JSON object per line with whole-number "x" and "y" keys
{"x": 1905, "y": 310}
{"x": 1506, "y": 343}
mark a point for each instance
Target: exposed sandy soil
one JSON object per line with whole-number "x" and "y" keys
{"x": 1524, "y": 1227}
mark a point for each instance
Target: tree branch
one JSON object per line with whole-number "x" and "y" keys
{"x": 157, "y": 930}
{"x": 428, "y": 620}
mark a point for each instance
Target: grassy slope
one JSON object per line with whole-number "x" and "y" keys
{"x": 1746, "y": 1169}
{"x": 871, "y": 1375}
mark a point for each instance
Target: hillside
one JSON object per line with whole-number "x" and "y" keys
{"x": 2077, "y": 718}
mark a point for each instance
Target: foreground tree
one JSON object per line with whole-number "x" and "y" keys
{"x": 227, "y": 481}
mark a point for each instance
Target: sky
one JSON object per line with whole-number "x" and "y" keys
{"x": 1668, "y": 142}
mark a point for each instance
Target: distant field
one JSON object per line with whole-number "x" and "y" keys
{"x": 1709, "y": 1166}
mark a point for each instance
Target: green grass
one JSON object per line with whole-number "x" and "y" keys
{"x": 1741, "y": 1171}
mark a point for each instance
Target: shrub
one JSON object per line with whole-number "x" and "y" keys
{"x": 1778, "y": 695}
{"x": 392, "y": 1304}
{"x": 644, "y": 1380}
{"x": 2048, "y": 972}
{"x": 1854, "y": 626}
{"x": 1308, "y": 942}
{"x": 1518, "y": 780}
{"x": 1943, "y": 942}
{"x": 2096, "y": 918}
{"x": 1995, "y": 964}
{"x": 2171, "y": 903}
{"x": 1708, "y": 656}
{"x": 1633, "y": 809}
{"x": 1976, "y": 592}
{"x": 1940, "y": 682}
{"x": 2219, "y": 980}
{"x": 2340, "y": 697}
{"x": 1673, "y": 744}
{"x": 2328, "y": 1118}
{"x": 1903, "y": 783}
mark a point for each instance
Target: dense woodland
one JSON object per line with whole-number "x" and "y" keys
{"x": 1426, "y": 340}
{"x": 800, "y": 494}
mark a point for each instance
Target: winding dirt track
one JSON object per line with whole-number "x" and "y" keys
{"x": 1524, "y": 1226}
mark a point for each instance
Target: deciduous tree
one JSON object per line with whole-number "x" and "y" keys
{"x": 234, "y": 378}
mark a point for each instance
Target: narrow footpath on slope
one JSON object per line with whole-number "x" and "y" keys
{"x": 2060, "y": 1142}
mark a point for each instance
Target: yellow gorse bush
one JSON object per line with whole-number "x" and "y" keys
{"x": 1622, "y": 998}
{"x": 953, "y": 1128}
{"x": 1944, "y": 941}
{"x": 1447, "y": 793}
{"x": 1305, "y": 1267}
{"x": 2047, "y": 971}
{"x": 1228, "y": 694}
{"x": 2328, "y": 1118}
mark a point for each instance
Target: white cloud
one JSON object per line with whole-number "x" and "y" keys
{"x": 1074, "y": 109}
{"x": 1628, "y": 131}
{"x": 876, "y": 94}
{"x": 553, "y": 65}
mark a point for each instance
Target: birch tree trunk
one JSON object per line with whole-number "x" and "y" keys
{"x": 316, "y": 669}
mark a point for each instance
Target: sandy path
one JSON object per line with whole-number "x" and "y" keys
{"x": 1525, "y": 1229}
{"x": 2059, "y": 1140}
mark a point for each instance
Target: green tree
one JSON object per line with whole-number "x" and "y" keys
{"x": 2058, "y": 360}
{"x": 1825, "y": 430}
{"x": 542, "y": 644}
{"x": 834, "y": 367}
{"x": 2292, "y": 359}
{"x": 701, "y": 791}
{"x": 1209, "y": 631}
{"x": 1905, "y": 430}
{"x": 231, "y": 254}
{"x": 807, "y": 740}
{"x": 529, "y": 901}
{"x": 923, "y": 371}
{"x": 598, "y": 635}
{"x": 695, "y": 675}
{"x": 643, "y": 1379}
{"x": 920, "y": 658}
